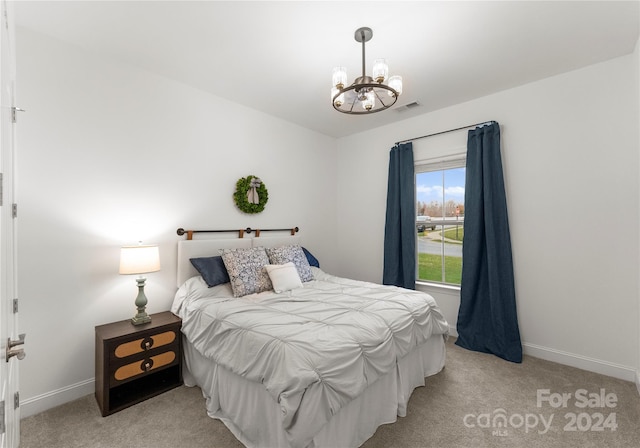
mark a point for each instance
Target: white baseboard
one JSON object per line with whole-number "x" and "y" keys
{"x": 582, "y": 362}
{"x": 40, "y": 403}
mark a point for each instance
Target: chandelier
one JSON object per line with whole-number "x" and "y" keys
{"x": 367, "y": 94}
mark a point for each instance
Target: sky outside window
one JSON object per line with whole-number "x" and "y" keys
{"x": 431, "y": 185}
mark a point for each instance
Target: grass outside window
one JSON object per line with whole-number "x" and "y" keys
{"x": 454, "y": 233}
{"x": 430, "y": 268}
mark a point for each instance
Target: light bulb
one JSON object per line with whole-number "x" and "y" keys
{"x": 339, "y": 77}
{"x": 380, "y": 70}
{"x": 369, "y": 101}
{"x": 395, "y": 82}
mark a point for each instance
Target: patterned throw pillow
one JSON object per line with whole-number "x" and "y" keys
{"x": 293, "y": 254}
{"x": 246, "y": 270}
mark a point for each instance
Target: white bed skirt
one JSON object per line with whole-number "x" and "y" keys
{"x": 254, "y": 417}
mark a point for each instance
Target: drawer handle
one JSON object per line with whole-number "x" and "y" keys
{"x": 146, "y": 365}
{"x": 146, "y": 343}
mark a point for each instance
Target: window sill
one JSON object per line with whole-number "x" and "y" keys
{"x": 439, "y": 287}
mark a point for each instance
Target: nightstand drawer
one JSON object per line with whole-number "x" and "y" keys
{"x": 138, "y": 368}
{"x": 144, "y": 344}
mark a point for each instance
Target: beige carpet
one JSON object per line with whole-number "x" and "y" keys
{"x": 455, "y": 409}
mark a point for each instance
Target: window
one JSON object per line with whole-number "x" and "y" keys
{"x": 440, "y": 221}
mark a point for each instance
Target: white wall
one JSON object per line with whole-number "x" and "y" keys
{"x": 109, "y": 155}
{"x": 570, "y": 155}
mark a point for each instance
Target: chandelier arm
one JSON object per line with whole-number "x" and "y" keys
{"x": 379, "y": 97}
{"x": 354, "y": 103}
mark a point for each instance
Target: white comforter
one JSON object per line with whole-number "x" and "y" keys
{"x": 314, "y": 348}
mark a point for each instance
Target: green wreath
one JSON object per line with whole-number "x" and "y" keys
{"x": 243, "y": 194}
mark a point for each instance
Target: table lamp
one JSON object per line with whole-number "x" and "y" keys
{"x": 140, "y": 260}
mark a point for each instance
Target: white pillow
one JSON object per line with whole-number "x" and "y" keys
{"x": 284, "y": 277}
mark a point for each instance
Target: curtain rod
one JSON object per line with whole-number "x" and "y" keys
{"x": 447, "y": 131}
{"x": 241, "y": 232}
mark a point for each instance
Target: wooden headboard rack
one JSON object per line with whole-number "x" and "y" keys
{"x": 241, "y": 232}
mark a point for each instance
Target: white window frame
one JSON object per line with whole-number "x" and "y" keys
{"x": 453, "y": 161}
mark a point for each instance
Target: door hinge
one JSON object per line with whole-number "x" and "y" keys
{"x": 14, "y": 210}
{"x": 16, "y": 400}
{"x": 15, "y": 306}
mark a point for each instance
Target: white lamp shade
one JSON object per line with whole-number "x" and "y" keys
{"x": 139, "y": 259}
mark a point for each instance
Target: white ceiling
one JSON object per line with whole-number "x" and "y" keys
{"x": 277, "y": 57}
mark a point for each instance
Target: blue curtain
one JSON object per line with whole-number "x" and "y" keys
{"x": 487, "y": 319}
{"x": 400, "y": 224}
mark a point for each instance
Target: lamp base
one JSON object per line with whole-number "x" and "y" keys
{"x": 141, "y": 304}
{"x": 140, "y": 318}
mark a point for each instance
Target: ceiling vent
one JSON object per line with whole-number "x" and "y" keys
{"x": 408, "y": 106}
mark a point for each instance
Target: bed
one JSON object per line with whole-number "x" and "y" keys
{"x": 321, "y": 363}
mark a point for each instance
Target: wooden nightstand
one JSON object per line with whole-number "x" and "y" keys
{"x": 136, "y": 362}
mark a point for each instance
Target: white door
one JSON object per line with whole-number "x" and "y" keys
{"x": 11, "y": 345}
